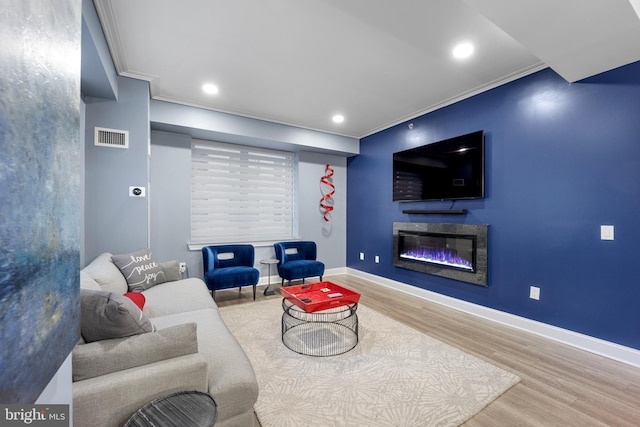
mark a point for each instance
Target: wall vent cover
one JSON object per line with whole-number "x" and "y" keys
{"x": 111, "y": 138}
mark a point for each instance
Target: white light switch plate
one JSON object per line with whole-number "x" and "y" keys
{"x": 606, "y": 232}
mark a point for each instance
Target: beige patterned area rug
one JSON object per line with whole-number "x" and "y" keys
{"x": 395, "y": 376}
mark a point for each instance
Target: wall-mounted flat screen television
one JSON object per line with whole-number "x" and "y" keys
{"x": 446, "y": 170}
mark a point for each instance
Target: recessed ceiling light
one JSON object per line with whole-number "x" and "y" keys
{"x": 338, "y": 118}
{"x": 463, "y": 50}
{"x": 210, "y": 88}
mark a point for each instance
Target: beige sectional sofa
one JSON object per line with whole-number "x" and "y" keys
{"x": 190, "y": 349}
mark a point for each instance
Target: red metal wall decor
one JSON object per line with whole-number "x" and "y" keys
{"x": 326, "y": 180}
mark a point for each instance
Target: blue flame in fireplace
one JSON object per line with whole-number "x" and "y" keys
{"x": 441, "y": 256}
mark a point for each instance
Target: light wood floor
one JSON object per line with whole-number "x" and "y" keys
{"x": 560, "y": 385}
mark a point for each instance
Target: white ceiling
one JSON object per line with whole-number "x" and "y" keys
{"x": 378, "y": 63}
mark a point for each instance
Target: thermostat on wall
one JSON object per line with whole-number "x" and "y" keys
{"x": 136, "y": 192}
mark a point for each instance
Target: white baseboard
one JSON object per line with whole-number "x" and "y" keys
{"x": 604, "y": 348}
{"x": 336, "y": 271}
{"x": 277, "y": 280}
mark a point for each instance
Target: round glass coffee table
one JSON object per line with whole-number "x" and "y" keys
{"x": 185, "y": 408}
{"x": 321, "y": 333}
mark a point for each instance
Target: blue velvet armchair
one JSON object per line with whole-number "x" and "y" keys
{"x": 298, "y": 260}
{"x": 229, "y": 266}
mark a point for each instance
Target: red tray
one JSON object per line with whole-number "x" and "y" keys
{"x": 319, "y": 298}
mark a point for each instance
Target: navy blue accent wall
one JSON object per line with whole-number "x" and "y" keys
{"x": 561, "y": 160}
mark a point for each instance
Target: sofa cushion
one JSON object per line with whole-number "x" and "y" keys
{"x": 232, "y": 380}
{"x": 87, "y": 282}
{"x": 140, "y": 269}
{"x": 107, "y": 315}
{"x": 106, "y": 274}
{"x": 177, "y": 297}
{"x": 103, "y": 357}
{"x": 171, "y": 270}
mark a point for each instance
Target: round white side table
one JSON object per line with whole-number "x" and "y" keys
{"x": 269, "y": 262}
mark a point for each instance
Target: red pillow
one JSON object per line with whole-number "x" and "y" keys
{"x": 137, "y": 298}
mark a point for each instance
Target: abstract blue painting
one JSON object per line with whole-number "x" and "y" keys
{"x": 39, "y": 192}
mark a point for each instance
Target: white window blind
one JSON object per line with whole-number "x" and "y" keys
{"x": 240, "y": 193}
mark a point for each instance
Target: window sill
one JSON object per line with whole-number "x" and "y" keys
{"x": 258, "y": 244}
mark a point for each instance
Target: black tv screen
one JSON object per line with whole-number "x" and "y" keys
{"x": 446, "y": 170}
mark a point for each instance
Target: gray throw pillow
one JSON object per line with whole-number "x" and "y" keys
{"x": 171, "y": 270}
{"x": 140, "y": 270}
{"x": 106, "y": 315}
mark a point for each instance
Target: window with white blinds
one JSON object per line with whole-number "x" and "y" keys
{"x": 240, "y": 193}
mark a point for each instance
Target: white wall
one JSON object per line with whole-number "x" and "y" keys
{"x": 115, "y": 222}
{"x": 169, "y": 197}
{"x": 224, "y": 127}
{"x": 331, "y": 236}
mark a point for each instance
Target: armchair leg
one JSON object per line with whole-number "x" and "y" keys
{"x": 282, "y": 284}
{"x": 254, "y": 292}
{"x": 321, "y": 278}
{"x": 303, "y": 280}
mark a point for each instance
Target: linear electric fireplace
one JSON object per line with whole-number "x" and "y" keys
{"x": 455, "y": 251}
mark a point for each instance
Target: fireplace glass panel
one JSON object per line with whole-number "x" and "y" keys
{"x": 444, "y": 250}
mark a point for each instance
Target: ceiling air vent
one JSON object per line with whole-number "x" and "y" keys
{"x": 111, "y": 138}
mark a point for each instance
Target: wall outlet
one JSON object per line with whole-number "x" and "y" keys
{"x": 534, "y": 292}
{"x": 606, "y": 232}
{"x": 183, "y": 267}
{"x": 377, "y": 259}
{"x": 361, "y": 256}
